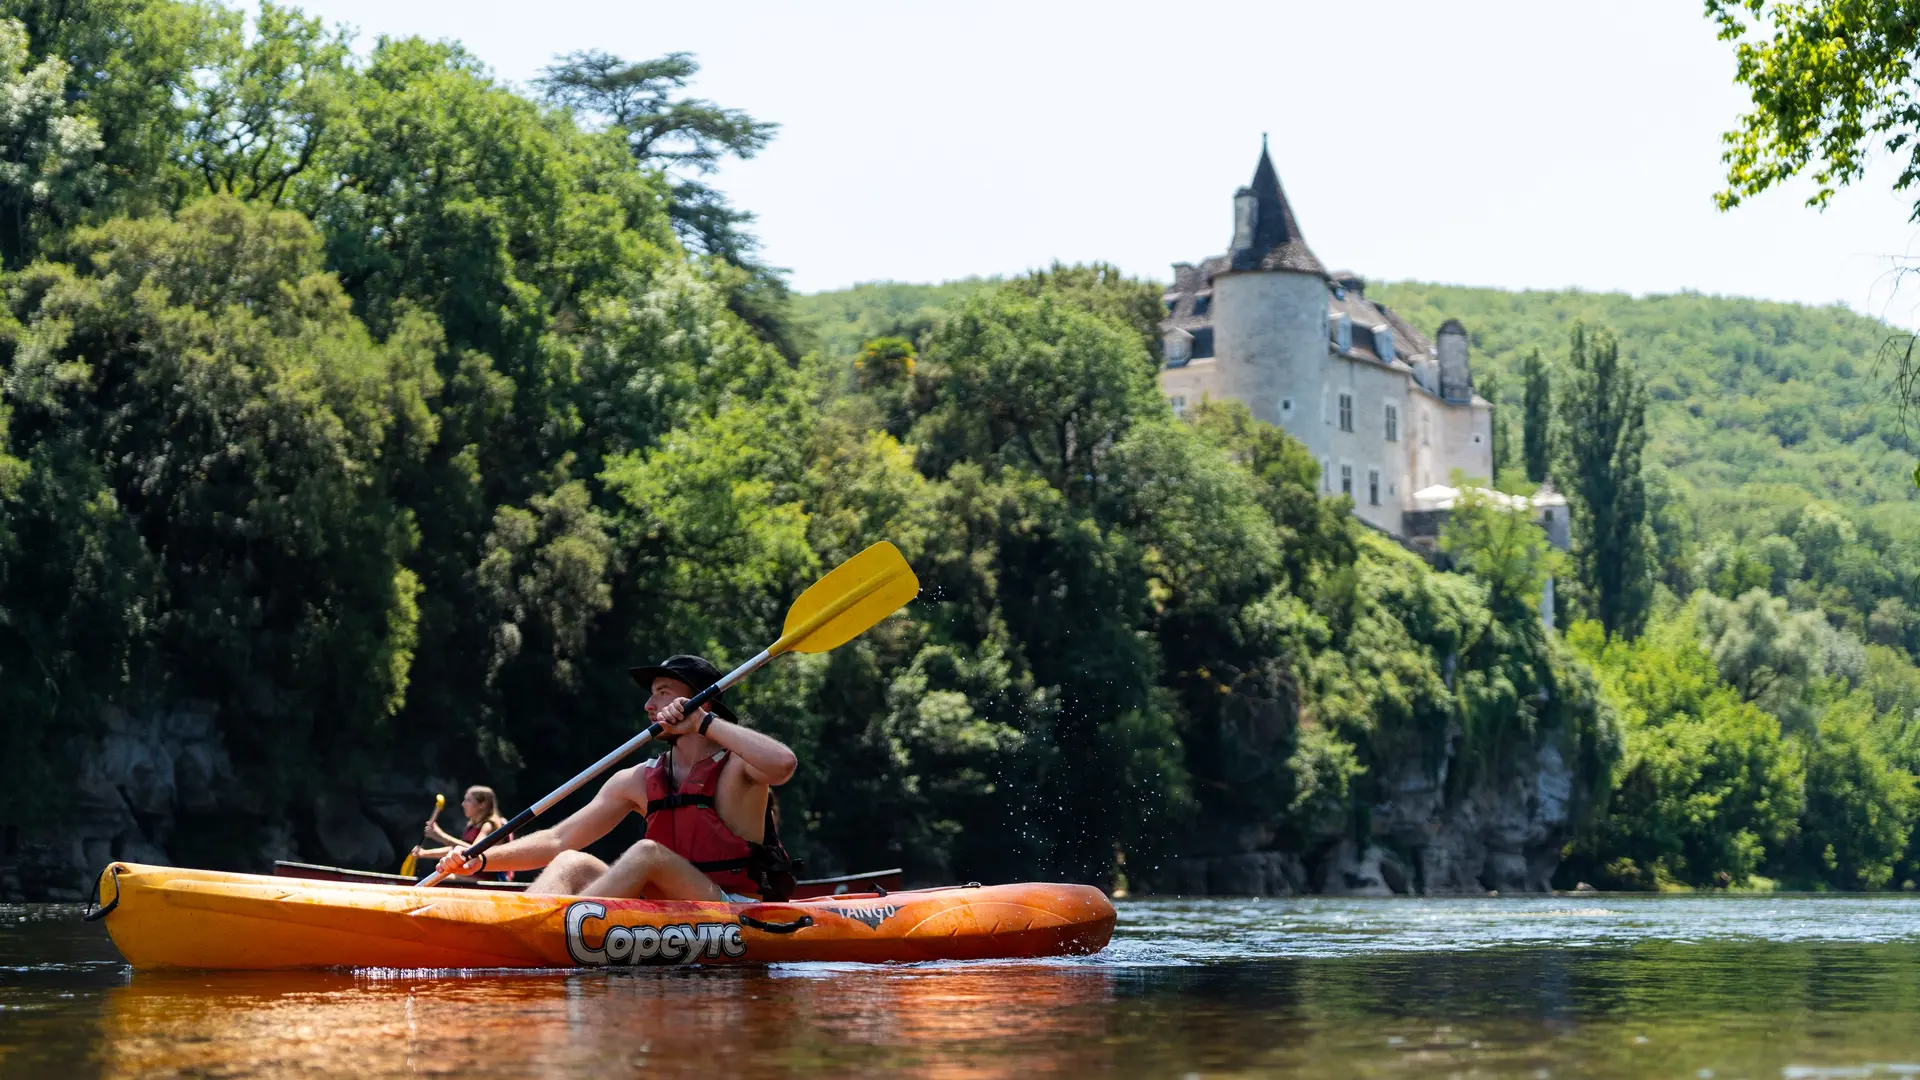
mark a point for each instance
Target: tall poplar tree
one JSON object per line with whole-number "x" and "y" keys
{"x": 1604, "y": 400}
{"x": 1536, "y": 429}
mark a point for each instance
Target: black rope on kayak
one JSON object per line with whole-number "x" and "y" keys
{"x": 95, "y": 912}
{"x": 800, "y": 923}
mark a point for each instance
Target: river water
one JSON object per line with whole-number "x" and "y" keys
{"x": 1690, "y": 987}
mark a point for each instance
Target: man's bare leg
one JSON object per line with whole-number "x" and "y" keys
{"x": 568, "y": 875}
{"x": 649, "y": 865}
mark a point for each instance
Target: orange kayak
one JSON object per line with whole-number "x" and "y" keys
{"x": 162, "y": 917}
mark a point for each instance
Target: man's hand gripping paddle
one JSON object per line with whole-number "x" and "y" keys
{"x": 838, "y": 608}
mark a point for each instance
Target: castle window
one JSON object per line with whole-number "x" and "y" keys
{"x": 1286, "y": 404}
{"x": 1393, "y": 423}
{"x": 1476, "y": 439}
{"x": 1180, "y": 405}
{"x": 1346, "y": 412}
{"x": 1346, "y": 480}
{"x": 1326, "y": 475}
{"x": 1373, "y": 486}
{"x": 1202, "y": 304}
{"x": 1202, "y": 342}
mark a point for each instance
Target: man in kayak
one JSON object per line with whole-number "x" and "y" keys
{"x": 711, "y": 828}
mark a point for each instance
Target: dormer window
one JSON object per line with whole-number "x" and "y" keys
{"x": 1202, "y": 303}
{"x": 1383, "y": 342}
{"x": 1172, "y": 302}
{"x": 1202, "y": 342}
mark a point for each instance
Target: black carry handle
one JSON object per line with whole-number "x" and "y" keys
{"x": 800, "y": 923}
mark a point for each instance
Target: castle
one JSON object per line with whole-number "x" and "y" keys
{"x": 1388, "y": 413}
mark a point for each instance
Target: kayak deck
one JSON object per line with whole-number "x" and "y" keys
{"x": 806, "y": 889}
{"x": 163, "y": 917}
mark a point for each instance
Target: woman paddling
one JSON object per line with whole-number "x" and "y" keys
{"x": 482, "y": 809}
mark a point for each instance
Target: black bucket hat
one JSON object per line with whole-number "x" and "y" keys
{"x": 695, "y": 671}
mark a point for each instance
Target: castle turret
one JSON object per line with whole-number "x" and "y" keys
{"x": 1456, "y": 377}
{"x": 1270, "y": 310}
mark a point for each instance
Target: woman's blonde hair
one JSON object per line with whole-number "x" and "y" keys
{"x": 489, "y": 806}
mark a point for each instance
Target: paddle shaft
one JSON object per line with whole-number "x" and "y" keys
{"x": 646, "y": 735}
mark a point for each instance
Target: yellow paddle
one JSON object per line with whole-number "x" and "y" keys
{"x": 439, "y": 804}
{"x": 838, "y": 608}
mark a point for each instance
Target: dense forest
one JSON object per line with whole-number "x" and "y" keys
{"x": 376, "y": 415}
{"x": 1768, "y": 710}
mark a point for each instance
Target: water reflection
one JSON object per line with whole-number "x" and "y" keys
{"x": 954, "y": 1022}
{"x": 1803, "y": 989}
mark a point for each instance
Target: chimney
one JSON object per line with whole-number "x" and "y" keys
{"x": 1456, "y": 379}
{"x": 1246, "y": 215}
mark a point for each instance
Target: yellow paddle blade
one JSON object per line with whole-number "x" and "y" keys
{"x": 857, "y": 594}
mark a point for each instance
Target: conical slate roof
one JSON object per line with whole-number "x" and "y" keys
{"x": 1277, "y": 243}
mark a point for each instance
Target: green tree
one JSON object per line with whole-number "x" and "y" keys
{"x": 1503, "y": 547}
{"x": 206, "y": 514}
{"x": 1103, "y": 290}
{"x": 1603, "y": 408}
{"x": 265, "y": 108}
{"x": 1829, "y": 82}
{"x": 687, "y": 139}
{"x": 1536, "y": 429}
{"x": 1708, "y": 789}
{"x": 136, "y": 68}
{"x": 48, "y": 169}
{"x": 1774, "y": 657}
{"x": 1860, "y": 806}
{"x": 1036, "y": 382}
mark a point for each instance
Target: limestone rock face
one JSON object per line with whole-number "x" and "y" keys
{"x": 1248, "y": 873}
{"x": 347, "y": 835}
{"x": 140, "y": 773}
{"x": 144, "y": 774}
{"x": 1501, "y": 836}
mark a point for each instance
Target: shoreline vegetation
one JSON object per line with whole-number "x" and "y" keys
{"x": 363, "y": 418}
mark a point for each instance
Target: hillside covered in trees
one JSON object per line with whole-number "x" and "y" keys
{"x": 362, "y": 418}
{"x": 1785, "y": 527}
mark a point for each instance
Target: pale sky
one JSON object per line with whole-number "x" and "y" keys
{"x": 1510, "y": 144}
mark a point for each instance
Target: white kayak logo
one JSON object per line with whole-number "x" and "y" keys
{"x": 683, "y": 943}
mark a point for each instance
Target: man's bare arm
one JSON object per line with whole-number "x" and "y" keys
{"x": 580, "y": 828}
{"x": 767, "y": 759}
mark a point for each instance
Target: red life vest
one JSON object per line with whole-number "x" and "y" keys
{"x": 685, "y": 820}
{"x": 468, "y": 837}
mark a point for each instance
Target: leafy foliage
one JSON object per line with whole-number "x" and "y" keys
{"x": 385, "y": 414}
{"x": 1828, "y": 81}
{"x": 1603, "y": 409}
